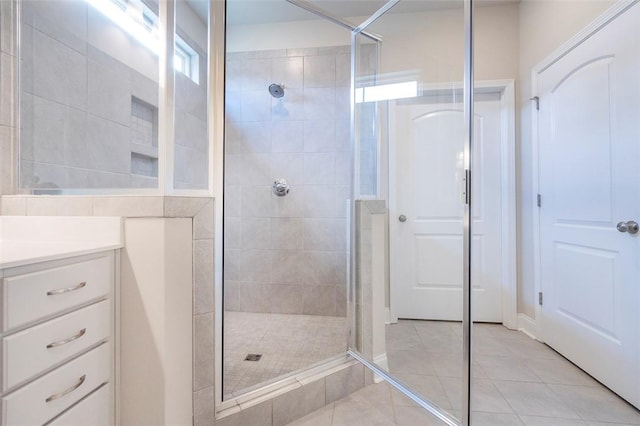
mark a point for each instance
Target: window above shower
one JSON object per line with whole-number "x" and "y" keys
{"x": 92, "y": 116}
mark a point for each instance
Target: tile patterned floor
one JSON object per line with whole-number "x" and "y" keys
{"x": 287, "y": 343}
{"x": 517, "y": 381}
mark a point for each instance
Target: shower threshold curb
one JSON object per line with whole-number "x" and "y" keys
{"x": 294, "y": 381}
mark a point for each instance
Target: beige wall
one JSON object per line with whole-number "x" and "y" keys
{"x": 438, "y": 35}
{"x": 434, "y": 41}
{"x": 285, "y": 35}
{"x": 544, "y": 26}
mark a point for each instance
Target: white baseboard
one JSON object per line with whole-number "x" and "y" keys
{"x": 388, "y": 318}
{"x": 527, "y": 325}
{"x": 382, "y": 362}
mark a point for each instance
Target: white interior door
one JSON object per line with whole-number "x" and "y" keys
{"x": 427, "y": 142}
{"x": 589, "y": 138}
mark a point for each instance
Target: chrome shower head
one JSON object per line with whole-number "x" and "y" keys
{"x": 276, "y": 90}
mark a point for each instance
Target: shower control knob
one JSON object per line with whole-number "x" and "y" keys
{"x": 402, "y": 218}
{"x": 280, "y": 187}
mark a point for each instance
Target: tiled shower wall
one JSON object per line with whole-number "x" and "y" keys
{"x": 7, "y": 93}
{"x": 83, "y": 81}
{"x": 191, "y": 103}
{"x": 287, "y": 254}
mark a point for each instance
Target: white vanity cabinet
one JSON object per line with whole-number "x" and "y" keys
{"x": 58, "y": 341}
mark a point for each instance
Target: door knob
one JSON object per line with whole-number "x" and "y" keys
{"x": 631, "y": 227}
{"x": 402, "y": 218}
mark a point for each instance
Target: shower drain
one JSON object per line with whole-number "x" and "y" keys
{"x": 253, "y": 357}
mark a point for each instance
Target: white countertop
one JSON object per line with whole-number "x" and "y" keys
{"x": 32, "y": 239}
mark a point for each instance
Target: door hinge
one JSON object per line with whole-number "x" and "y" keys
{"x": 540, "y": 298}
{"x": 539, "y": 200}
{"x": 536, "y": 99}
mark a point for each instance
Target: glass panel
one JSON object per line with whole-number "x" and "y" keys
{"x": 409, "y": 138}
{"x": 191, "y": 64}
{"x": 365, "y": 113}
{"x": 556, "y": 327}
{"x": 285, "y": 253}
{"x": 89, "y": 95}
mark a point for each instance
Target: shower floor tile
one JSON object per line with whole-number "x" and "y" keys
{"x": 287, "y": 343}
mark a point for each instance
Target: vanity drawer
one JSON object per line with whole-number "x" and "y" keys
{"x": 94, "y": 410}
{"x": 51, "y": 394}
{"x": 30, "y": 297}
{"x": 35, "y": 349}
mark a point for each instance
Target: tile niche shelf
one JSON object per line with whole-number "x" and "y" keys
{"x": 144, "y": 140}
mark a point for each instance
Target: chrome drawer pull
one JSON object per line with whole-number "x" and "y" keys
{"x": 67, "y": 391}
{"x": 67, "y": 290}
{"x": 69, "y": 340}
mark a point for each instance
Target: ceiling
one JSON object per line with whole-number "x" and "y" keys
{"x": 246, "y": 12}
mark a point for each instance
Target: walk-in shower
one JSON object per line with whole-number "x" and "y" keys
{"x": 305, "y": 275}
{"x": 287, "y": 184}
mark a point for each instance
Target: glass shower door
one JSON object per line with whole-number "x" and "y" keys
{"x": 286, "y": 183}
{"x": 410, "y": 145}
